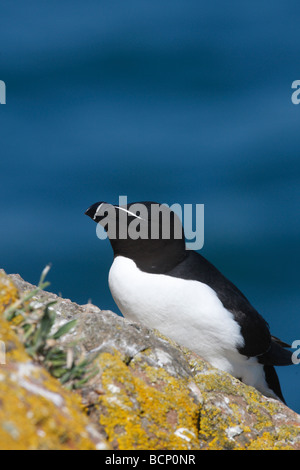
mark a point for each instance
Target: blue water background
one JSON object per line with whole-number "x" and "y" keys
{"x": 173, "y": 101}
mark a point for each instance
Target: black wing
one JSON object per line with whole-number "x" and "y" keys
{"x": 277, "y": 354}
{"x": 255, "y": 330}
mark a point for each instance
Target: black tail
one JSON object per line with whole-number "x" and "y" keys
{"x": 277, "y": 355}
{"x": 273, "y": 382}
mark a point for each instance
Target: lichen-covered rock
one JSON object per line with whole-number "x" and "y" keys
{"x": 36, "y": 412}
{"x": 236, "y": 416}
{"x": 149, "y": 393}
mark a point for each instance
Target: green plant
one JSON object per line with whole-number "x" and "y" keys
{"x": 35, "y": 325}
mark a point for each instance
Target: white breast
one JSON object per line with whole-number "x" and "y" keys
{"x": 190, "y": 313}
{"x": 187, "y": 311}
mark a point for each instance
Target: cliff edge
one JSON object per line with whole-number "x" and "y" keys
{"x": 77, "y": 377}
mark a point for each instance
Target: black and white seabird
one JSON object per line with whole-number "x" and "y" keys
{"x": 161, "y": 284}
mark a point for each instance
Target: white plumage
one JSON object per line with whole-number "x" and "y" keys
{"x": 190, "y": 313}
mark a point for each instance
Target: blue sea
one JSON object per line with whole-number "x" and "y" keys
{"x": 178, "y": 101}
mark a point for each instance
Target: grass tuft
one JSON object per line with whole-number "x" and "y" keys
{"x": 34, "y": 325}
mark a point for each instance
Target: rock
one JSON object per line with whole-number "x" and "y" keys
{"x": 36, "y": 412}
{"x": 150, "y": 393}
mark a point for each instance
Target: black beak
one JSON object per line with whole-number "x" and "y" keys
{"x": 91, "y": 211}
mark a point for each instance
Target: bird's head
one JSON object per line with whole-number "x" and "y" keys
{"x": 148, "y": 232}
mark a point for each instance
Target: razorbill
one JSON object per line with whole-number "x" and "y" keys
{"x": 156, "y": 281}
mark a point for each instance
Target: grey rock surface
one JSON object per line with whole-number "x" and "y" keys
{"x": 150, "y": 393}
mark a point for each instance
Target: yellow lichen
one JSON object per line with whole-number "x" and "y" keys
{"x": 215, "y": 425}
{"x": 267, "y": 441}
{"x": 8, "y": 292}
{"x": 29, "y": 419}
{"x": 35, "y": 411}
{"x": 153, "y": 411}
{"x": 140, "y": 405}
